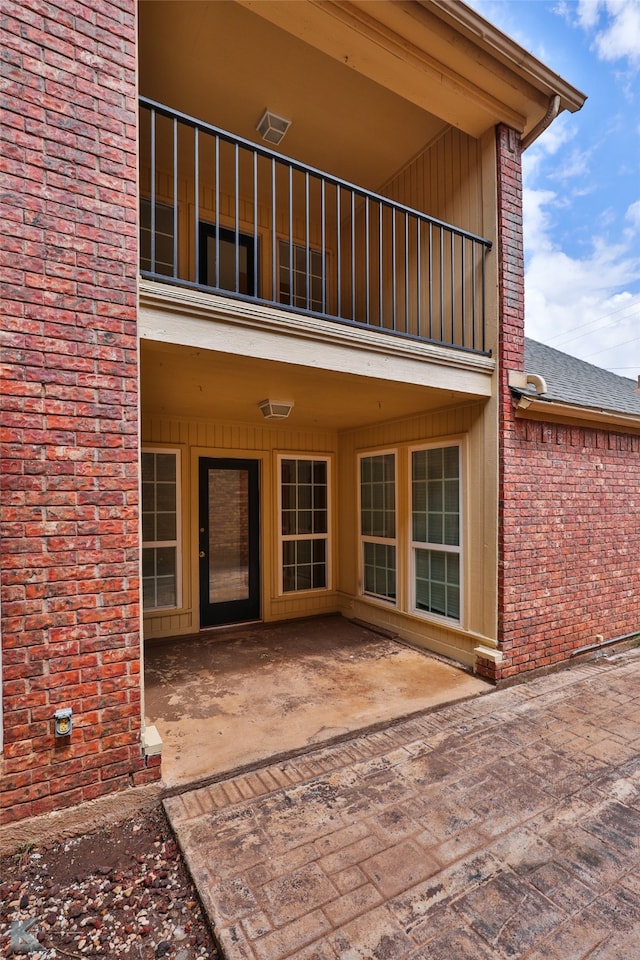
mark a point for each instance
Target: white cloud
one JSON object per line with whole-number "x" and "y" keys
{"x": 582, "y": 283}
{"x": 618, "y": 37}
{"x": 633, "y": 215}
{"x": 549, "y": 144}
{"x": 565, "y": 311}
{"x": 588, "y": 12}
{"x": 581, "y": 305}
{"x": 575, "y": 164}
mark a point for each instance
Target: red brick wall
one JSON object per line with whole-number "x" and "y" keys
{"x": 69, "y": 536}
{"x": 569, "y": 499}
{"x": 570, "y": 545}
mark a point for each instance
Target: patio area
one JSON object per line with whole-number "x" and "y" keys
{"x": 226, "y": 700}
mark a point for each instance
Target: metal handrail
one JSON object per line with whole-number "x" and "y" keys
{"x": 336, "y": 250}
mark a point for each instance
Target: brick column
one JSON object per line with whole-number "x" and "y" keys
{"x": 69, "y": 536}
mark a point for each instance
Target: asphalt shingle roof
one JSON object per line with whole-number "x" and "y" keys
{"x": 574, "y": 381}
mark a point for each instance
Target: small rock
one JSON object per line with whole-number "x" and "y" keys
{"x": 24, "y": 901}
{"x": 162, "y": 948}
{"x": 75, "y": 909}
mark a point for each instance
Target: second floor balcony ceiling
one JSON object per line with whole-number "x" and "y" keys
{"x": 398, "y": 101}
{"x": 224, "y": 215}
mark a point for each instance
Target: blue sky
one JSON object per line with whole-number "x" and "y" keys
{"x": 582, "y": 179}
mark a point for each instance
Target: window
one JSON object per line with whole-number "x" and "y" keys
{"x": 378, "y": 525}
{"x": 160, "y": 528}
{"x": 435, "y": 524}
{"x": 304, "y": 523}
{"x": 164, "y": 233}
{"x": 301, "y": 285}
{"x": 227, "y": 262}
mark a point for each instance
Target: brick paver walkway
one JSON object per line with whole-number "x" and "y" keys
{"x": 504, "y": 827}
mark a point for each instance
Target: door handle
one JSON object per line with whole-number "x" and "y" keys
{"x": 202, "y": 554}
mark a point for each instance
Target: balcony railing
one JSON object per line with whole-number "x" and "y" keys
{"x": 225, "y": 215}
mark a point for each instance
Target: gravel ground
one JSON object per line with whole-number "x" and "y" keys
{"x": 120, "y": 892}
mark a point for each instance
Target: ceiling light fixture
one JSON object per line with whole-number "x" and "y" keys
{"x": 275, "y": 409}
{"x": 272, "y": 128}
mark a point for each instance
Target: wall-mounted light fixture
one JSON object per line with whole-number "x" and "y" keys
{"x": 272, "y": 128}
{"x": 63, "y": 722}
{"x": 275, "y": 409}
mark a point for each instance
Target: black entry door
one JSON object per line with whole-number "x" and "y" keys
{"x": 229, "y": 541}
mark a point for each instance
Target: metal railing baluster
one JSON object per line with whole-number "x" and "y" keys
{"x": 275, "y": 292}
{"x": 306, "y": 227}
{"x": 419, "y": 278}
{"x": 394, "y": 272}
{"x": 366, "y": 256}
{"x": 175, "y": 197}
{"x": 353, "y": 255}
{"x": 406, "y": 273}
{"x": 152, "y": 193}
{"x": 256, "y": 285}
{"x": 323, "y": 245}
{"x": 196, "y": 189}
{"x": 217, "y": 237}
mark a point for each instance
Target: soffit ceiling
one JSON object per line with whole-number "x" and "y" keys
{"x": 193, "y": 383}
{"x": 367, "y": 85}
{"x": 223, "y": 64}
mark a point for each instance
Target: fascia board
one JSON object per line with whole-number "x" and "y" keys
{"x": 530, "y": 408}
{"x": 507, "y": 51}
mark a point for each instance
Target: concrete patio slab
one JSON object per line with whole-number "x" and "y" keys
{"x": 223, "y": 700}
{"x": 470, "y": 833}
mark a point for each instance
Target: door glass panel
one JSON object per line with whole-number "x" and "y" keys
{"x": 235, "y": 253}
{"x": 228, "y": 535}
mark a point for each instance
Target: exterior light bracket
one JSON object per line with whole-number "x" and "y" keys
{"x": 63, "y": 719}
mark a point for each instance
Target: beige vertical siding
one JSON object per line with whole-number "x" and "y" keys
{"x": 444, "y": 182}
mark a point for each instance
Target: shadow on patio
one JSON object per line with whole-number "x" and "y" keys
{"x": 228, "y": 699}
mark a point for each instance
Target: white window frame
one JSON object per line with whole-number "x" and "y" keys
{"x": 293, "y": 246}
{"x": 458, "y": 549}
{"x": 385, "y": 541}
{"x": 155, "y": 544}
{"x": 145, "y": 228}
{"x": 282, "y": 538}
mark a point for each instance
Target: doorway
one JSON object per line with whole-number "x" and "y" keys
{"x": 229, "y": 541}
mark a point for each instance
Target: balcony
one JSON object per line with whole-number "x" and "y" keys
{"x": 226, "y": 216}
